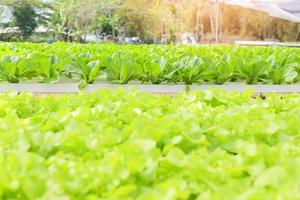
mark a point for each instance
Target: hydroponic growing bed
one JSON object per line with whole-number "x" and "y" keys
{"x": 207, "y": 145}
{"x": 202, "y": 66}
{"x": 155, "y": 89}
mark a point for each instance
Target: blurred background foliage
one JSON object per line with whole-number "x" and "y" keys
{"x": 150, "y": 20}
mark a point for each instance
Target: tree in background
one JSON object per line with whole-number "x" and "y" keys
{"x": 139, "y": 18}
{"x": 231, "y": 20}
{"x": 27, "y": 14}
{"x": 74, "y": 19}
{"x": 108, "y": 21}
{"x": 256, "y": 25}
{"x": 63, "y": 20}
{"x": 285, "y": 31}
{"x": 108, "y": 25}
{"x": 1, "y": 10}
{"x": 25, "y": 18}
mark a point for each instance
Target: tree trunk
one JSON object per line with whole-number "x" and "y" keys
{"x": 212, "y": 10}
{"x": 198, "y": 34}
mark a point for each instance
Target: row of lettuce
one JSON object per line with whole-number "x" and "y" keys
{"x": 188, "y": 65}
{"x": 117, "y": 145}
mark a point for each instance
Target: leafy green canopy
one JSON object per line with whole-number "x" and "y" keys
{"x": 115, "y": 145}
{"x": 87, "y": 63}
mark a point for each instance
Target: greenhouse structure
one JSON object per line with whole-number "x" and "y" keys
{"x": 284, "y": 9}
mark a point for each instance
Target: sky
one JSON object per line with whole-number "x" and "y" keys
{"x": 6, "y": 15}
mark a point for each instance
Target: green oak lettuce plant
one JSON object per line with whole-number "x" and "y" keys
{"x": 221, "y": 70}
{"x": 123, "y": 67}
{"x": 154, "y": 69}
{"x": 282, "y": 69}
{"x": 251, "y": 69}
{"x": 14, "y": 69}
{"x": 84, "y": 69}
{"x": 46, "y": 67}
{"x": 190, "y": 69}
